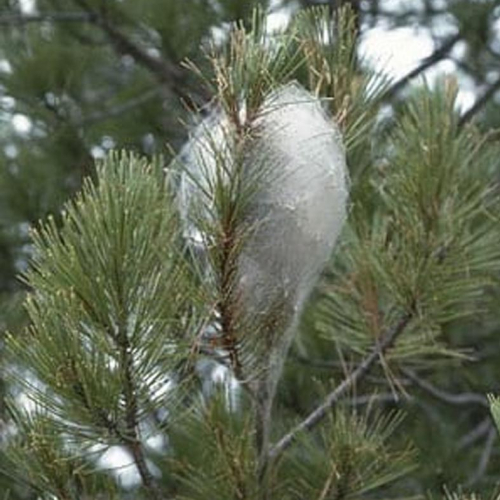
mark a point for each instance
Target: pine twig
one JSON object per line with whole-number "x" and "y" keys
{"x": 19, "y": 19}
{"x": 319, "y": 364}
{"x": 321, "y": 411}
{"x": 120, "y": 109}
{"x": 480, "y": 103}
{"x": 388, "y": 397}
{"x": 406, "y": 15}
{"x": 476, "y": 433}
{"x": 228, "y": 304}
{"x": 165, "y": 71}
{"x": 465, "y": 398}
{"x": 484, "y": 459}
{"x": 133, "y": 442}
{"x": 437, "y": 56}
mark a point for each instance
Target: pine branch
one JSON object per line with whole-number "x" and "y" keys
{"x": 404, "y": 15}
{"x": 388, "y": 397}
{"x": 134, "y": 444}
{"x": 228, "y": 303}
{"x": 319, "y": 364}
{"x": 476, "y": 433}
{"x": 19, "y": 19}
{"x": 480, "y": 103}
{"x": 166, "y": 72}
{"x": 99, "y": 415}
{"x": 120, "y": 109}
{"x": 484, "y": 458}
{"x": 466, "y": 398}
{"x": 437, "y": 56}
{"x": 321, "y": 411}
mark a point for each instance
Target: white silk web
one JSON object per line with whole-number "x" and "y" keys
{"x": 293, "y": 174}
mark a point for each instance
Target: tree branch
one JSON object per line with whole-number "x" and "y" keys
{"x": 465, "y": 398}
{"x": 484, "y": 459}
{"x": 480, "y": 103}
{"x": 476, "y": 433}
{"x": 165, "y": 71}
{"x": 404, "y": 15}
{"x": 438, "y": 55}
{"x": 120, "y": 109}
{"x": 321, "y": 411}
{"x": 388, "y": 397}
{"x": 19, "y": 19}
{"x": 319, "y": 364}
{"x": 133, "y": 442}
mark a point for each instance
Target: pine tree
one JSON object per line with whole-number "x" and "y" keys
{"x": 136, "y": 300}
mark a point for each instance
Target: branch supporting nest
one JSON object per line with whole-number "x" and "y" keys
{"x": 322, "y": 410}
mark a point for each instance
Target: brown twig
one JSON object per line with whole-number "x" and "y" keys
{"x": 321, "y": 411}
{"x": 228, "y": 304}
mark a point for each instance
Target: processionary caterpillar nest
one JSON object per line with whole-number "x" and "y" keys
{"x": 288, "y": 162}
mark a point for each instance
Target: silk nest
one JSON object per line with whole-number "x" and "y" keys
{"x": 291, "y": 171}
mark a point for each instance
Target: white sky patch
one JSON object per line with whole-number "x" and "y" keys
{"x": 11, "y": 151}
{"x": 397, "y": 52}
{"x": 157, "y": 442}
{"x": 122, "y": 466}
{"x": 26, "y": 403}
{"x": 27, "y": 6}
{"x": 278, "y": 20}
{"x": 222, "y": 375}
{"x": 97, "y": 152}
{"x": 5, "y": 66}
{"x": 21, "y": 123}
{"x": 116, "y": 460}
{"x": 7, "y": 103}
{"x": 394, "y": 51}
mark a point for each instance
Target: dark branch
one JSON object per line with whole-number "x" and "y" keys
{"x": 319, "y": 364}
{"x": 476, "y": 433}
{"x": 321, "y": 411}
{"x": 465, "y": 398}
{"x": 165, "y": 71}
{"x": 133, "y": 444}
{"x": 99, "y": 416}
{"x": 480, "y": 103}
{"x": 120, "y": 109}
{"x": 368, "y": 399}
{"x": 407, "y": 14}
{"x": 18, "y": 19}
{"x": 132, "y": 437}
{"x": 438, "y": 55}
{"x": 484, "y": 459}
